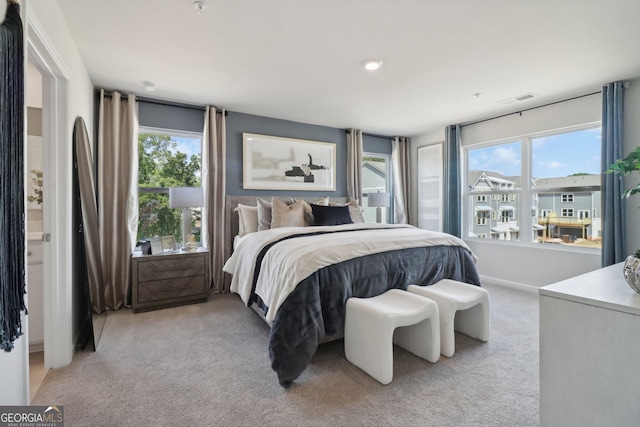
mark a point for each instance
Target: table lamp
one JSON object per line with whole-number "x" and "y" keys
{"x": 378, "y": 200}
{"x": 185, "y": 198}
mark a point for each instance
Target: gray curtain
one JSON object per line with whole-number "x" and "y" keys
{"x": 12, "y": 198}
{"x": 452, "y": 221}
{"x": 613, "y": 210}
{"x": 400, "y": 165}
{"x": 91, "y": 231}
{"x": 354, "y": 164}
{"x": 214, "y": 141}
{"x": 117, "y": 194}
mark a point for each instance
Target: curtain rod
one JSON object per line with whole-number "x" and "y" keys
{"x": 163, "y": 102}
{"x": 371, "y": 134}
{"x": 529, "y": 109}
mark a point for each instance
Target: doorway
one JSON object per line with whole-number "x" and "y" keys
{"x": 34, "y": 172}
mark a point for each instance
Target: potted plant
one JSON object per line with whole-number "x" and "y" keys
{"x": 622, "y": 167}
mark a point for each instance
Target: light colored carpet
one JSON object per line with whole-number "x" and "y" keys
{"x": 207, "y": 365}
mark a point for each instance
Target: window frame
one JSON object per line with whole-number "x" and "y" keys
{"x": 387, "y": 184}
{"x": 526, "y": 192}
{"x": 172, "y": 133}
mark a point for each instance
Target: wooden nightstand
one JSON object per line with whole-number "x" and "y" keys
{"x": 170, "y": 279}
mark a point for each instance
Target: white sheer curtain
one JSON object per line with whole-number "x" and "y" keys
{"x": 213, "y": 182}
{"x": 117, "y": 193}
{"x": 354, "y": 164}
{"x": 400, "y": 166}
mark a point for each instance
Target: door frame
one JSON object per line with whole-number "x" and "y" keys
{"x": 57, "y": 218}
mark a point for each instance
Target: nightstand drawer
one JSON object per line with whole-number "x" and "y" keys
{"x": 159, "y": 290}
{"x": 171, "y": 268}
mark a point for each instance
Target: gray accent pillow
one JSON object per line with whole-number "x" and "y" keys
{"x": 264, "y": 214}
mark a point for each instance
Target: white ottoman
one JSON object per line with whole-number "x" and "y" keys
{"x": 369, "y": 331}
{"x": 462, "y": 307}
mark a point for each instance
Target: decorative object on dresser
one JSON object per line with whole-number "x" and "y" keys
{"x": 631, "y": 271}
{"x": 170, "y": 279}
{"x": 622, "y": 167}
{"x": 186, "y": 198}
{"x": 378, "y": 200}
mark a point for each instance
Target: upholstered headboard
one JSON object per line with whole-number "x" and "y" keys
{"x": 231, "y": 217}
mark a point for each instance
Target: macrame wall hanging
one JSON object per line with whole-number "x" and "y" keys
{"x": 12, "y": 243}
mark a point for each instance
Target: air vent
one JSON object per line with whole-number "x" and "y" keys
{"x": 517, "y": 99}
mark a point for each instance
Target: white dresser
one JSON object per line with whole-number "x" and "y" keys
{"x": 590, "y": 351}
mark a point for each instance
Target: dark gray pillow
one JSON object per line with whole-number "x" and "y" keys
{"x": 331, "y": 215}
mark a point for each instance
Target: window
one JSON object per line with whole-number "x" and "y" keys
{"x": 482, "y": 216}
{"x": 166, "y": 159}
{"x": 481, "y": 199}
{"x": 376, "y": 177}
{"x": 530, "y": 178}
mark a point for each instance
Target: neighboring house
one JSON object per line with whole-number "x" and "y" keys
{"x": 568, "y": 215}
{"x": 495, "y": 215}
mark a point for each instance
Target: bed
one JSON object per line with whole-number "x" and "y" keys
{"x": 300, "y": 277}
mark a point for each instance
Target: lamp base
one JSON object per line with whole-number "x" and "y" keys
{"x": 378, "y": 215}
{"x": 186, "y": 227}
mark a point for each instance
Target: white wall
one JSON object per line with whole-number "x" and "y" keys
{"x": 47, "y": 18}
{"x": 536, "y": 266}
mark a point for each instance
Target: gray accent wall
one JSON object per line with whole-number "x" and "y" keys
{"x": 174, "y": 117}
{"x": 239, "y": 123}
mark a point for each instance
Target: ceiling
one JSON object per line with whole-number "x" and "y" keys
{"x": 301, "y": 60}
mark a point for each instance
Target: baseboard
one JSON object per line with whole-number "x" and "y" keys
{"x": 509, "y": 284}
{"x": 36, "y": 346}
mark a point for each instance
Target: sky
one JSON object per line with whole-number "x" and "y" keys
{"x": 188, "y": 146}
{"x": 552, "y": 156}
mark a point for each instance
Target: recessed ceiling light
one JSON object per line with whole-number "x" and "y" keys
{"x": 149, "y": 86}
{"x": 199, "y": 7}
{"x": 372, "y": 65}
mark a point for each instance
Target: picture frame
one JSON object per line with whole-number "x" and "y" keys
{"x": 156, "y": 246}
{"x": 169, "y": 244}
{"x": 277, "y": 163}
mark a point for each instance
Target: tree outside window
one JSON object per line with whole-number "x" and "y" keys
{"x": 165, "y": 161}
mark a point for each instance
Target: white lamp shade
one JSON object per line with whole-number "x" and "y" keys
{"x": 185, "y": 197}
{"x": 378, "y": 200}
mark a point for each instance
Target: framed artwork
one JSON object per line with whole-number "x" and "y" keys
{"x": 275, "y": 163}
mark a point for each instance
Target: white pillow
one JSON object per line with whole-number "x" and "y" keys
{"x": 248, "y": 219}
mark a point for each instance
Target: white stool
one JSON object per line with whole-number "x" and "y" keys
{"x": 369, "y": 331}
{"x": 462, "y": 307}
